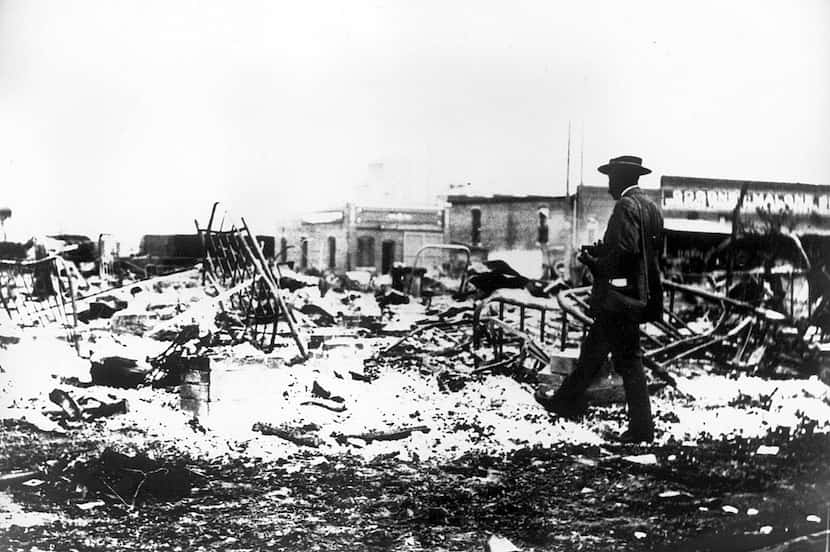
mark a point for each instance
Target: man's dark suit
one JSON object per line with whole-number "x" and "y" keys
{"x": 622, "y": 257}
{"x": 615, "y": 332}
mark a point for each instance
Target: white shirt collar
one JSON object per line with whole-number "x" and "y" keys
{"x": 629, "y": 188}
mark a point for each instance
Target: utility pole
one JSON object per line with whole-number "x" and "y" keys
{"x": 568, "y": 165}
{"x": 569, "y": 249}
{"x": 575, "y": 202}
{"x": 582, "y": 154}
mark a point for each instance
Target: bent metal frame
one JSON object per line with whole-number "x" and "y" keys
{"x": 233, "y": 258}
{"x": 39, "y": 293}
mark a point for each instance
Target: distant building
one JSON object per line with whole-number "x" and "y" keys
{"x": 511, "y": 223}
{"x": 698, "y": 212}
{"x": 541, "y": 228}
{"x": 541, "y": 223}
{"x": 360, "y": 237}
{"x": 711, "y": 202}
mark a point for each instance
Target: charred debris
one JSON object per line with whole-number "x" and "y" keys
{"x": 488, "y": 319}
{"x": 491, "y": 318}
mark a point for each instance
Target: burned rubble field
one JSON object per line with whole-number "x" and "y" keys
{"x": 239, "y": 406}
{"x": 711, "y": 496}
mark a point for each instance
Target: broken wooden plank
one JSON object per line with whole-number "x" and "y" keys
{"x": 388, "y": 435}
{"x": 296, "y": 437}
{"x": 329, "y": 405}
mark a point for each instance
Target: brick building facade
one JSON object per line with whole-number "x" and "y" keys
{"x": 507, "y": 225}
{"x": 502, "y": 223}
{"x": 505, "y": 222}
{"x": 359, "y": 237}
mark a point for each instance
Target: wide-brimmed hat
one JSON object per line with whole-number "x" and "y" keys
{"x": 624, "y": 163}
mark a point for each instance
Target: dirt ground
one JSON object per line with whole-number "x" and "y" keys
{"x": 717, "y": 495}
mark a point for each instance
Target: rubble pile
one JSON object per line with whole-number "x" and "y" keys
{"x": 355, "y": 382}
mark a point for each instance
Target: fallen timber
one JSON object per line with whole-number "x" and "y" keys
{"x": 384, "y": 435}
{"x": 296, "y": 436}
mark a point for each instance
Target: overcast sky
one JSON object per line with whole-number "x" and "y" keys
{"x": 133, "y": 117}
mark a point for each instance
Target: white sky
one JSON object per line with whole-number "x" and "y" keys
{"x": 133, "y": 117}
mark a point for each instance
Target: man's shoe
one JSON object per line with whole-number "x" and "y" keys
{"x": 630, "y": 437}
{"x": 572, "y": 409}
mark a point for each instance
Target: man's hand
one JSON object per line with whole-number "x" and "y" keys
{"x": 589, "y": 255}
{"x": 588, "y": 260}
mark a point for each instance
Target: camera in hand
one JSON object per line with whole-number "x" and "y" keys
{"x": 597, "y": 249}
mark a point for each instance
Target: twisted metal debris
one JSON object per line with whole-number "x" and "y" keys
{"x": 39, "y": 293}
{"x": 234, "y": 262}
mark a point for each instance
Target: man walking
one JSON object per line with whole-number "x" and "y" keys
{"x": 626, "y": 292}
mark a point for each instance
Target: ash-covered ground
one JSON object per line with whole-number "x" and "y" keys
{"x": 417, "y": 450}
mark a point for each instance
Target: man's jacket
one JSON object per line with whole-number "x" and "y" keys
{"x": 621, "y": 261}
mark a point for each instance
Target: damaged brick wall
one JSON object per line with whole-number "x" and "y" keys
{"x": 508, "y": 222}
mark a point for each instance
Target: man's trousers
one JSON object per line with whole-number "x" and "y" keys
{"x": 620, "y": 336}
